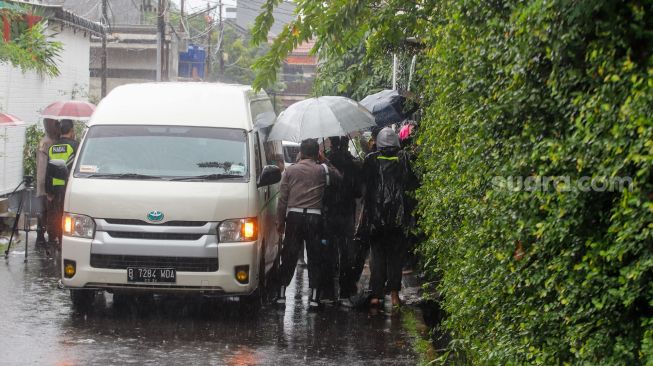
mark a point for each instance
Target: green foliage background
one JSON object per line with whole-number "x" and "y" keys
{"x": 530, "y": 88}
{"x": 33, "y": 136}
{"x": 538, "y": 88}
{"x": 353, "y": 74}
{"x": 29, "y": 49}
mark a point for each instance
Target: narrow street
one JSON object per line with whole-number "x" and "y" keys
{"x": 38, "y": 326}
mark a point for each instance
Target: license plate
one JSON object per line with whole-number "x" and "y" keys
{"x": 144, "y": 274}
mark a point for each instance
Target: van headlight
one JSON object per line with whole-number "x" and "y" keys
{"x": 231, "y": 231}
{"x": 80, "y": 226}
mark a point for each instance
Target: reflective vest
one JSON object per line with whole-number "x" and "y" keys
{"x": 60, "y": 152}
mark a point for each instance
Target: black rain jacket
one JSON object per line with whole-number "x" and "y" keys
{"x": 387, "y": 176}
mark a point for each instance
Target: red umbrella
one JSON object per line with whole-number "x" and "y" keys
{"x": 71, "y": 109}
{"x": 6, "y": 118}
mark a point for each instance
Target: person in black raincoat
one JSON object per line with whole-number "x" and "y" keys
{"x": 386, "y": 174}
{"x": 341, "y": 216}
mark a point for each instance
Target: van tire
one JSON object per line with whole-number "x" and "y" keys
{"x": 82, "y": 299}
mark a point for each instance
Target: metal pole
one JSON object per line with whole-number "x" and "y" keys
{"x": 208, "y": 43}
{"x": 105, "y": 22}
{"x": 412, "y": 70}
{"x": 159, "y": 40}
{"x": 220, "y": 48}
{"x": 394, "y": 71}
{"x": 181, "y": 17}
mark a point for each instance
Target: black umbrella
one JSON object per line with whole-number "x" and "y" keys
{"x": 386, "y": 106}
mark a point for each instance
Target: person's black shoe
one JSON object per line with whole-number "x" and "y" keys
{"x": 314, "y": 299}
{"x": 281, "y": 296}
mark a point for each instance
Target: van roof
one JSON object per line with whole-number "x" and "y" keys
{"x": 176, "y": 103}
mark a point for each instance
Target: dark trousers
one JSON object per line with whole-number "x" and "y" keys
{"x": 304, "y": 228}
{"x": 343, "y": 253}
{"x": 54, "y": 213}
{"x": 388, "y": 249}
{"x": 42, "y": 217}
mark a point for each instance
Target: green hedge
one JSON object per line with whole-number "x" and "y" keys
{"x": 541, "y": 89}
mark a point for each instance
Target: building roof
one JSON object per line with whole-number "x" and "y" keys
{"x": 59, "y": 13}
{"x": 304, "y": 48}
{"x": 120, "y": 12}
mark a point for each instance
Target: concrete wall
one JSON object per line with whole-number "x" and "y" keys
{"x": 26, "y": 94}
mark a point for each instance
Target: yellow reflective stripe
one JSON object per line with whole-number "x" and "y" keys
{"x": 60, "y": 156}
{"x": 391, "y": 158}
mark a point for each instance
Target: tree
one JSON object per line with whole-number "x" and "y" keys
{"x": 339, "y": 27}
{"x": 353, "y": 74}
{"x": 240, "y": 54}
{"x": 27, "y": 47}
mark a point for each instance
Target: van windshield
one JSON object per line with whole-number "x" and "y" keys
{"x": 163, "y": 152}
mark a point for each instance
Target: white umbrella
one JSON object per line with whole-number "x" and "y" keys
{"x": 321, "y": 117}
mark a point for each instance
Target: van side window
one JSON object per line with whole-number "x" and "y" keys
{"x": 274, "y": 154}
{"x": 263, "y": 117}
{"x": 257, "y": 153}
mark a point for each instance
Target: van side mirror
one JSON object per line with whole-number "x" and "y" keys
{"x": 271, "y": 174}
{"x": 57, "y": 169}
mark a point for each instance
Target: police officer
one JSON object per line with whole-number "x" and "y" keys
{"x": 63, "y": 149}
{"x": 299, "y": 212}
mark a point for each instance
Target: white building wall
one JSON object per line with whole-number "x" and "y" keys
{"x": 12, "y": 141}
{"x": 26, "y": 94}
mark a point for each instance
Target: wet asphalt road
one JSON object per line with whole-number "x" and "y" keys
{"x": 38, "y": 326}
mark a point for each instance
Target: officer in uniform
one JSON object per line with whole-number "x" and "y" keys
{"x": 299, "y": 212}
{"x": 63, "y": 149}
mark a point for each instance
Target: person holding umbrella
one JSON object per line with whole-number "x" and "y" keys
{"x": 55, "y": 116}
{"x": 303, "y": 184}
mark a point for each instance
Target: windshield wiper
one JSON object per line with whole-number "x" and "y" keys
{"x": 208, "y": 177}
{"x": 123, "y": 176}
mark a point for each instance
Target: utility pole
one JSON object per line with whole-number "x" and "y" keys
{"x": 220, "y": 40}
{"x": 105, "y": 23}
{"x": 160, "y": 38}
{"x": 181, "y": 17}
{"x": 209, "y": 24}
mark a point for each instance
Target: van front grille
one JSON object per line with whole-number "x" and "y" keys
{"x": 153, "y": 236}
{"x": 184, "y": 264}
{"x": 169, "y": 223}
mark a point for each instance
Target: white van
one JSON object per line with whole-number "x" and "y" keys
{"x": 174, "y": 189}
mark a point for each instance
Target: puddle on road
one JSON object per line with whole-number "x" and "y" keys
{"x": 38, "y": 326}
